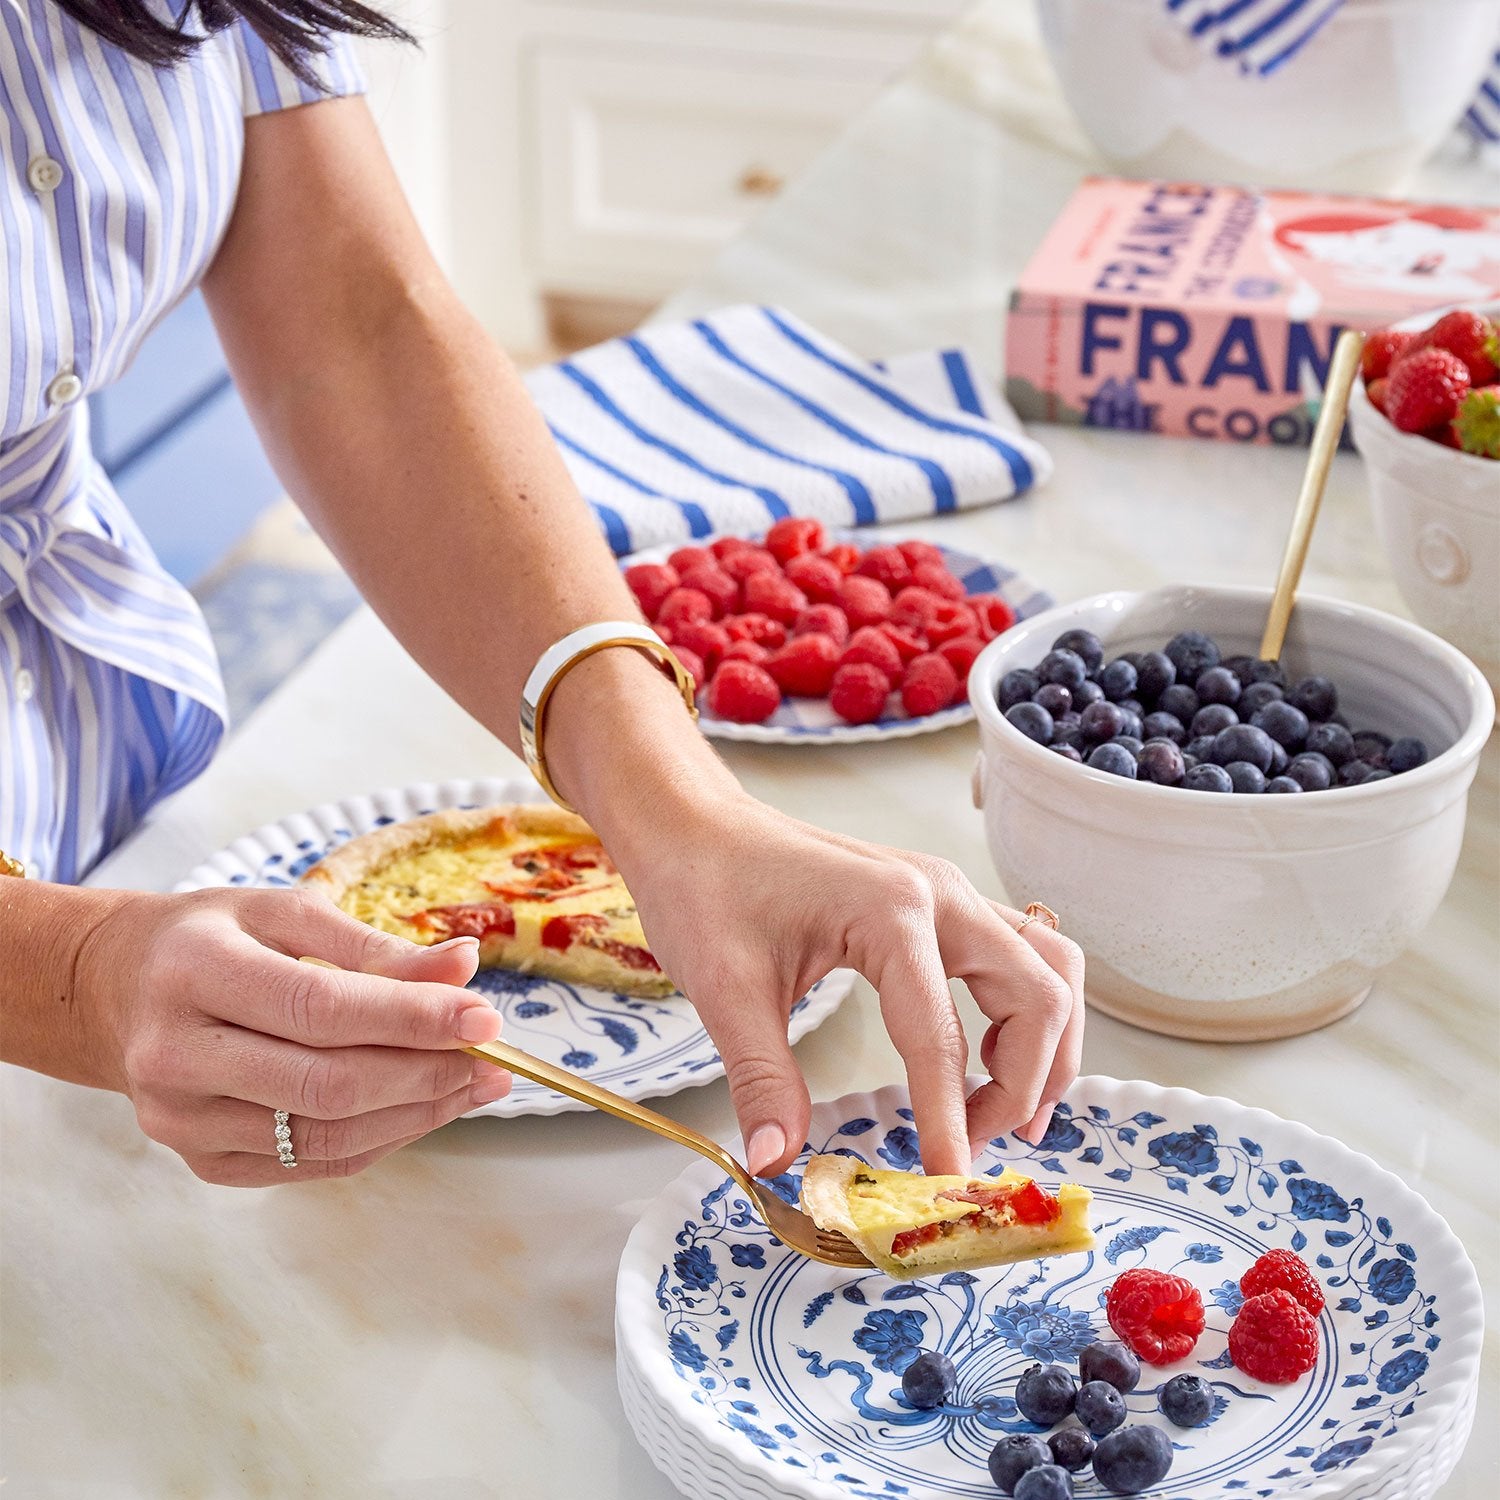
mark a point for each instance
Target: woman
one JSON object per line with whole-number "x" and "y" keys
{"x": 139, "y": 160}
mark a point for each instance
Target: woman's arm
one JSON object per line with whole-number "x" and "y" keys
{"x": 408, "y": 439}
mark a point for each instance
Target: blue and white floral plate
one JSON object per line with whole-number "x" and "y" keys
{"x": 750, "y": 1372}
{"x": 642, "y": 1049}
{"x": 810, "y": 721}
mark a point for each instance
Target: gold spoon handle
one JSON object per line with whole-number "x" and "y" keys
{"x": 1325, "y": 441}
{"x": 552, "y": 1077}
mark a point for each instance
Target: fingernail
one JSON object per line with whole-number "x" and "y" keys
{"x": 767, "y": 1144}
{"x": 479, "y": 1023}
{"x": 487, "y": 1090}
{"x": 448, "y": 945}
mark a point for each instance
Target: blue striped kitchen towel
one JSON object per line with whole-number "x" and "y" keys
{"x": 731, "y": 421}
{"x": 1483, "y": 119}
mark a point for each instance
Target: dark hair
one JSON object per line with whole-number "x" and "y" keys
{"x": 292, "y": 29}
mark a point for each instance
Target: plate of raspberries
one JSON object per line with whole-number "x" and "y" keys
{"x": 808, "y": 637}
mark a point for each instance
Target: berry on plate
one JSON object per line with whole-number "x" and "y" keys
{"x": 921, "y": 552}
{"x": 792, "y": 536}
{"x": 1100, "y": 1407}
{"x": 1045, "y": 1394}
{"x": 743, "y": 693}
{"x": 1285, "y": 1271}
{"x": 1133, "y": 1459}
{"x": 804, "y": 667}
{"x": 908, "y": 646}
{"x": 874, "y": 647}
{"x": 742, "y": 650}
{"x": 1071, "y": 1447}
{"x": 1425, "y": 390}
{"x": 761, "y": 629}
{"x": 858, "y": 692}
{"x": 1157, "y": 1316}
{"x": 960, "y": 654}
{"x": 867, "y": 601}
{"x": 1477, "y": 425}
{"x": 930, "y": 683}
{"x": 722, "y": 590}
{"x": 950, "y": 620}
{"x": 936, "y": 578}
{"x": 1186, "y": 1401}
{"x": 844, "y": 557}
{"x": 775, "y": 595}
{"x": 823, "y": 619}
{"x": 888, "y": 565}
{"x": 683, "y": 606}
{"x": 651, "y": 583}
{"x": 747, "y": 560}
{"x": 816, "y": 577}
{"x": 707, "y": 642}
{"x": 1110, "y": 1362}
{"x": 1274, "y": 1338}
{"x": 692, "y": 664}
{"x": 1012, "y": 1456}
{"x": 914, "y": 608}
{"x": 929, "y": 1380}
{"x": 1045, "y": 1482}
{"x": 686, "y": 557}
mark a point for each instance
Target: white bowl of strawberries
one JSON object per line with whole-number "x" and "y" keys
{"x": 1427, "y": 420}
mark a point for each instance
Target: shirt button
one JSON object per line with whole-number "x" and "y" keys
{"x": 65, "y": 388}
{"x": 44, "y": 174}
{"x": 25, "y": 686}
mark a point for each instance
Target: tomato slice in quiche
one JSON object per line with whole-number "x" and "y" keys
{"x": 910, "y": 1225}
{"x": 531, "y": 882}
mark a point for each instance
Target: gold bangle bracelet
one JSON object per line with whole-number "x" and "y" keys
{"x": 9, "y": 866}
{"x": 558, "y": 660}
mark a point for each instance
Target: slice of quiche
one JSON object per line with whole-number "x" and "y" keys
{"x": 910, "y": 1225}
{"x": 531, "y": 882}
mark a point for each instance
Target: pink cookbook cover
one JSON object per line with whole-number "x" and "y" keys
{"x": 1212, "y": 311}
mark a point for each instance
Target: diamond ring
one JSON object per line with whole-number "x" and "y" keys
{"x": 284, "y": 1138}
{"x": 1036, "y": 912}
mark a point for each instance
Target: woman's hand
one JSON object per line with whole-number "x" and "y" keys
{"x": 747, "y": 908}
{"x": 207, "y": 1021}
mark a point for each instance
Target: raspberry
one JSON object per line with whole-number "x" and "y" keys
{"x": 723, "y": 592}
{"x": 761, "y": 629}
{"x": 960, "y": 654}
{"x": 920, "y": 552}
{"x": 908, "y": 646}
{"x": 1285, "y": 1270}
{"x": 844, "y": 557}
{"x": 742, "y": 692}
{"x": 707, "y": 642}
{"x": 1382, "y": 349}
{"x": 805, "y": 666}
{"x": 1274, "y": 1338}
{"x": 1377, "y": 391}
{"x": 771, "y": 594}
{"x": 1424, "y": 390}
{"x": 914, "y": 608}
{"x": 1469, "y": 335}
{"x": 935, "y": 576}
{"x": 816, "y": 577}
{"x": 694, "y": 664}
{"x": 866, "y": 601}
{"x": 874, "y": 649}
{"x": 747, "y": 560}
{"x": 1159, "y": 1317}
{"x": 994, "y": 614}
{"x": 823, "y": 619}
{"x": 651, "y": 583}
{"x": 1477, "y": 425}
{"x": 792, "y": 536}
{"x": 750, "y": 651}
{"x": 886, "y": 564}
{"x": 930, "y": 684}
{"x": 684, "y": 605}
{"x": 689, "y": 557}
{"x": 721, "y": 547}
{"x": 951, "y": 620}
{"x": 858, "y": 693}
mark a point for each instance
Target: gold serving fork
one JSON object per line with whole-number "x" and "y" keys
{"x": 790, "y": 1225}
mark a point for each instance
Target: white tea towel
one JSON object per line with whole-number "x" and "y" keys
{"x": 731, "y": 421}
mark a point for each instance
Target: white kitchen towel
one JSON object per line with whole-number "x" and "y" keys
{"x": 728, "y": 422}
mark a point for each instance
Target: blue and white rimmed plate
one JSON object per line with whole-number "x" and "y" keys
{"x": 810, "y": 721}
{"x": 641, "y": 1049}
{"x": 762, "y": 1365}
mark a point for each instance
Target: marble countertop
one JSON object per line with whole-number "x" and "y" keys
{"x": 442, "y": 1325}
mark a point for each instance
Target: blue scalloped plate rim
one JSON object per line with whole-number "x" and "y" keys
{"x": 789, "y": 1370}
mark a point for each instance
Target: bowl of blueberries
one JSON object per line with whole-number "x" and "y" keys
{"x": 1239, "y": 846}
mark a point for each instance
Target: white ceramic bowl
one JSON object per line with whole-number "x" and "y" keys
{"x": 1357, "y": 110}
{"x": 1438, "y": 514}
{"x": 1236, "y": 918}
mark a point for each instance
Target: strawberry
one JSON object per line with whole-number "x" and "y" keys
{"x": 1477, "y": 425}
{"x": 1382, "y": 349}
{"x": 1424, "y": 389}
{"x": 1377, "y": 391}
{"x": 1469, "y": 335}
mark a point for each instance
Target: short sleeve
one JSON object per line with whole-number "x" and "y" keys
{"x": 267, "y": 83}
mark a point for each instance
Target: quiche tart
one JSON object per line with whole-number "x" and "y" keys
{"x": 531, "y": 882}
{"x": 910, "y": 1225}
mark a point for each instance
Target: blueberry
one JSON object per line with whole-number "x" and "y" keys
{"x": 1218, "y": 685}
{"x": 1256, "y": 696}
{"x": 929, "y": 1380}
{"x": 1280, "y": 760}
{"x": 1186, "y": 1400}
{"x": 1179, "y": 700}
{"x": 1130, "y": 742}
{"x": 1207, "y": 778}
{"x": 1133, "y": 1459}
{"x": 1213, "y": 718}
{"x": 1315, "y": 696}
{"x": 1071, "y": 1447}
{"x": 1045, "y": 1393}
{"x": 1241, "y": 666}
{"x": 1017, "y": 687}
{"x": 1241, "y": 742}
{"x": 1068, "y": 731}
{"x": 1155, "y": 672}
{"x": 1110, "y": 1362}
{"x": 1267, "y": 671}
{"x": 1405, "y": 755}
{"x": 1311, "y": 771}
{"x": 1352, "y": 772}
{"x": 1286, "y": 725}
{"x": 1012, "y": 1456}
{"x": 1188, "y": 762}
{"x": 1099, "y": 1406}
{"x": 1101, "y": 721}
{"x": 1054, "y": 697}
{"x": 1246, "y": 778}
{"x": 1376, "y": 776}
{"x": 1198, "y": 749}
{"x": 1065, "y": 667}
{"x": 1086, "y": 693}
{"x": 1032, "y": 720}
{"x": 1160, "y": 761}
{"x": 1118, "y": 679}
{"x": 1371, "y": 747}
{"x": 1068, "y": 752}
{"x": 1135, "y": 724}
{"x": 1160, "y": 726}
{"x": 1192, "y": 653}
{"x": 1084, "y": 644}
{"x": 1283, "y": 784}
{"x": 1132, "y": 705}
{"x": 1332, "y": 741}
{"x": 1049, "y": 1482}
{"x": 1133, "y": 657}
{"x": 1115, "y": 759}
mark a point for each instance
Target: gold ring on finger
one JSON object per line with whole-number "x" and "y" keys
{"x": 1036, "y": 912}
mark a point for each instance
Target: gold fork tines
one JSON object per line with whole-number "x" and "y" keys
{"x": 790, "y": 1225}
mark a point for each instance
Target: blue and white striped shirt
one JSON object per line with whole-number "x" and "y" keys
{"x": 116, "y": 183}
